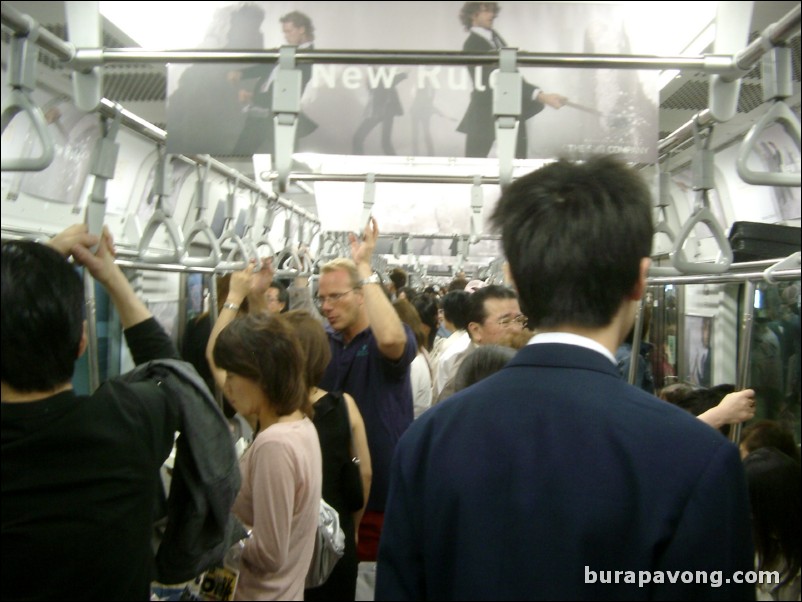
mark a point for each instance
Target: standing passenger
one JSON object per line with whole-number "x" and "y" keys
{"x": 554, "y": 478}
{"x": 421, "y": 370}
{"x": 346, "y": 459}
{"x": 81, "y": 473}
{"x": 262, "y": 365}
{"x": 455, "y": 318}
{"x": 775, "y": 493}
{"x": 372, "y": 351}
{"x": 493, "y": 316}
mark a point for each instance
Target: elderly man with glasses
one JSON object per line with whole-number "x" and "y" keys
{"x": 493, "y": 314}
{"x": 372, "y": 351}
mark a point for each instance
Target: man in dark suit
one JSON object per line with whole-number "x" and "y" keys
{"x": 554, "y": 478}
{"x": 478, "y": 123}
{"x": 257, "y": 134}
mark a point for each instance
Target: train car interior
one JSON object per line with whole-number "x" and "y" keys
{"x": 141, "y": 116}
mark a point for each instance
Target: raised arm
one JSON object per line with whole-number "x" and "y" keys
{"x": 738, "y": 406}
{"x": 384, "y": 321}
{"x": 241, "y": 284}
{"x": 300, "y": 292}
{"x": 146, "y": 342}
{"x": 260, "y": 282}
{"x": 76, "y": 241}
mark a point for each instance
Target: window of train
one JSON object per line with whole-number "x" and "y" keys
{"x": 660, "y": 330}
{"x": 695, "y": 331}
{"x": 774, "y": 358}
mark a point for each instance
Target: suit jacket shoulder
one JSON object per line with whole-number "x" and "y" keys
{"x": 476, "y": 43}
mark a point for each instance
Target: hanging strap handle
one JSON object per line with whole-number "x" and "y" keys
{"x": 507, "y": 112}
{"x": 162, "y": 186}
{"x": 776, "y": 66}
{"x": 703, "y": 182}
{"x": 201, "y": 226}
{"x": 22, "y": 81}
{"x": 230, "y": 235}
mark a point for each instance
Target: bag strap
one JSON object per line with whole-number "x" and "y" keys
{"x": 341, "y": 401}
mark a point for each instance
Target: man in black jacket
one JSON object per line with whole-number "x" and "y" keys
{"x": 81, "y": 485}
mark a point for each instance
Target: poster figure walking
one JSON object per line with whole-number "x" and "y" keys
{"x": 421, "y": 113}
{"x": 204, "y": 108}
{"x": 383, "y": 107}
{"x": 478, "y": 124}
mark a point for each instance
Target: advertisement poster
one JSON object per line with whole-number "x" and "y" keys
{"x": 417, "y": 110}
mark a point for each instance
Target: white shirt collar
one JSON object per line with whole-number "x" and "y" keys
{"x": 487, "y": 34}
{"x": 568, "y": 338}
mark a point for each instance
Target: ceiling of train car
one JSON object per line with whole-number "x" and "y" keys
{"x": 142, "y": 89}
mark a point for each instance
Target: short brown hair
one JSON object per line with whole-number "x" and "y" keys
{"x": 398, "y": 277}
{"x": 469, "y": 9}
{"x": 314, "y": 343}
{"x": 264, "y": 348}
{"x": 410, "y": 316}
{"x": 299, "y": 19}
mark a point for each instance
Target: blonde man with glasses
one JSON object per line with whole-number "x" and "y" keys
{"x": 372, "y": 351}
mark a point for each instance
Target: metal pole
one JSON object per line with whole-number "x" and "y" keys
{"x": 637, "y": 334}
{"x": 720, "y": 64}
{"x": 783, "y": 275}
{"x": 744, "y": 348}
{"x": 91, "y": 332}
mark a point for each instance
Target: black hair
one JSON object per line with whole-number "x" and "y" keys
{"x": 574, "y": 234}
{"x": 769, "y": 433}
{"x": 42, "y": 316}
{"x": 300, "y": 19}
{"x": 283, "y": 294}
{"x": 476, "y": 302}
{"x": 774, "y": 495}
{"x": 427, "y": 307}
{"x": 469, "y": 9}
{"x": 455, "y": 308}
{"x": 409, "y": 292}
{"x": 700, "y": 400}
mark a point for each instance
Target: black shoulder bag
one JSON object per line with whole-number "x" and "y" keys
{"x": 350, "y": 476}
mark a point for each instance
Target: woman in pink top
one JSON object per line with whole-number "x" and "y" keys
{"x": 281, "y": 471}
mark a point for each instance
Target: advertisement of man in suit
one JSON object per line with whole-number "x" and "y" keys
{"x": 257, "y": 133}
{"x": 478, "y": 124}
{"x": 203, "y": 111}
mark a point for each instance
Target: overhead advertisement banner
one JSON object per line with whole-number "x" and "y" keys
{"x": 418, "y": 110}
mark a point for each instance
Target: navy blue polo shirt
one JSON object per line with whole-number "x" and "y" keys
{"x": 383, "y": 393}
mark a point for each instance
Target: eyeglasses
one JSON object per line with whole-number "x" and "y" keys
{"x": 334, "y": 298}
{"x": 520, "y": 320}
